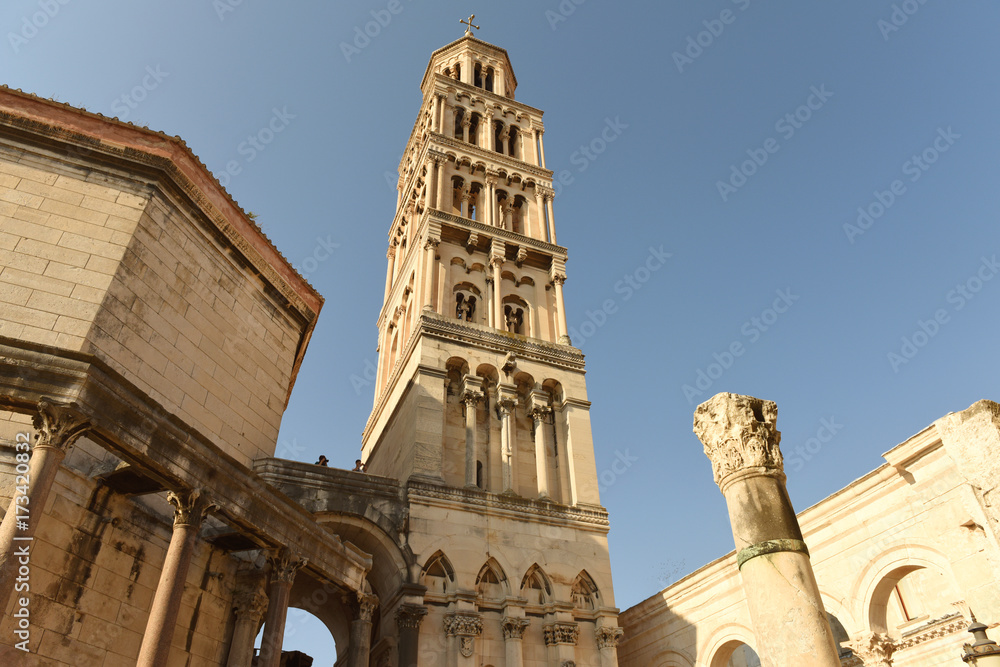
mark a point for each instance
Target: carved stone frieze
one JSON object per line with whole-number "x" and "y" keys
{"x": 561, "y": 633}
{"x": 463, "y": 625}
{"x": 608, "y": 637}
{"x": 59, "y": 424}
{"x": 739, "y": 433}
{"x": 513, "y": 628}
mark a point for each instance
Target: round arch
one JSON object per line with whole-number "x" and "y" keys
{"x": 719, "y": 645}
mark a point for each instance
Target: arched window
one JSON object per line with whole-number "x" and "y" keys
{"x": 438, "y": 575}
{"x": 478, "y": 78}
{"x": 512, "y": 138}
{"x": 459, "y": 117}
{"x": 491, "y": 584}
{"x": 535, "y": 587}
{"x": 467, "y": 300}
{"x": 488, "y": 82}
{"x": 584, "y": 593}
{"x": 515, "y": 315}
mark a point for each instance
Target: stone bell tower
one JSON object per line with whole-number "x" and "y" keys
{"x": 480, "y": 406}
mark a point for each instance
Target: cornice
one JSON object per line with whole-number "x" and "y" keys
{"x": 516, "y": 507}
{"x": 493, "y": 156}
{"x": 512, "y": 238}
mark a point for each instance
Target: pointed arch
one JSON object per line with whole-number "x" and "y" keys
{"x": 438, "y": 574}
{"x": 491, "y": 582}
{"x": 585, "y": 594}
{"x": 536, "y": 587}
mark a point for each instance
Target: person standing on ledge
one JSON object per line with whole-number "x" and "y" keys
{"x": 322, "y": 461}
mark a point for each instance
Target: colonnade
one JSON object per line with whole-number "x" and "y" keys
{"x": 447, "y": 116}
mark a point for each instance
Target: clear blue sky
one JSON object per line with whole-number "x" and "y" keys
{"x": 881, "y": 94}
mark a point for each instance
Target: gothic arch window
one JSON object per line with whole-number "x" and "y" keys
{"x": 535, "y": 586}
{"x": 438, "y": 574}
{"x": 491, "y": 584}
{"x": 584, "y": 593}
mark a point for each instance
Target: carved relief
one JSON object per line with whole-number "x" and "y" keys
{"x": 250, "y": 605}
{"x": 739, "y": 432}
{"x": 367, "y": 604}
{"x": 561, "y": 633}
{"x": 284, "y": 565}
{"x": 874, "y": 649}
{"x": 190, "y": 507}
{"x": 59, "y": 424}
{"x": 608, "y": 637}
{"x": 513, "y": 628}
{"x": 463, "y": 625}
{"x": 409, "y": 616}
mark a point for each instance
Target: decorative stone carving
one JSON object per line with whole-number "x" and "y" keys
{"x": 522, "y": 254}
{"x": 250, "y": 605}
{"x": 739, "y": 433}
{"x": 367, "y": 604}
{"x": 608, "y": 637}
{"x": 472, "y": 242}
{"x": 190, "y": 507}
{"x": 59, "y": 424}
{"x": 875, "y": 649}
{"x": 466, "y": 627}
{"x": 513, "y": 628}
{"x": 568, "y": 663}
{"x": 284, "y": 565}
{"x": 561, "y": 633}
{"x": 409, "y": 616}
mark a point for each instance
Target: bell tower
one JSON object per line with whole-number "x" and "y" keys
{"x": 481, "y": 407}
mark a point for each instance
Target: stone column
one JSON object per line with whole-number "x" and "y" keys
{"x": 361, "y": 631}
{"x": 540, "y": 214}
{"x": 874, "y": 649}
{"x": 549, "y": 196}
{"x": 438, "y": 112}
{"x": 390, "y": 256}
{"x": 466, "y": 122}
{"x": 562, "y": 331}
{"x": 490, "y": 143}
{"x": 491, "y": 199}
{"x": 462, "y": 630}
{"x": 249, "y": 608}
{"x": 504, "y": 135}
{"x": 471, "y": 395}
{"x": 541, "y": 148}
{"x": 408, "y": 618}
{"x": 432, "y": 185}
{"x": 58, "y": 426}
{"x": 444, "y": 201}
{"x": 740, "y": 437}
{"x": 497, "y": 263}
{"x": 561, "y": 639}
{"x": 607, "y": 644}
{"x": 513, "y": 632}
{"x": 189, "y": 510}
{"x": 429, "y": 273}
{"x": 507, "y": 399}
{"x": 540, "y": 412}
{"x": 489, "y": 301}
{"x": 284, "y": 565}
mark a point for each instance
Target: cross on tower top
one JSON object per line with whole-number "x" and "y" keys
{"x": 468, "y": 30}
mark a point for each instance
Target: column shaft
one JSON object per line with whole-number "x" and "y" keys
{"x": 444, "y": 202}
{"x": 552, "y": 219}
{"x": 432, "y": 186}
{"x": 562, "y": 329}
{"x": 541, "y": 150}
{"x": 283, "y": 569}
{"x": 542, "y": 443}
{"x": 471, "y": 446}
{"x": 498, "y": 322}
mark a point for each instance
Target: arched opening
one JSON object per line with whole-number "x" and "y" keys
{"x": 307, "y": 638}
{"x": 491, "y": 584}
{"x": 498, "y": 142}
{"x": 512, "y": 138}
{"x": 467, "y": 299}
{"x": 474, "y": 129}
{"x": 535, "y": 586}
{"x": 488, "y": 82}
{"x": 908, "y": 597}
{"x": 459, "y": 118}
{"x": 584, "y": 593}
{"x": 735, "y": 654}
{"x": 438, "y": 575}
{"x": 478, "y": 80}
{"x": 515, "y": 315}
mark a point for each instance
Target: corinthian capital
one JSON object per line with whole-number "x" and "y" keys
{"x": 367, "y": 604}
{"x": 739, "y": 433}
{"x": 409, "y": 616}
{"x": 59, "y": 424}
{"x": 608, "y": 637}
{"x": 873, "y": 648}
{"x": 190, "y": 507}
{"x": 513, "y": 628}
{"x": 284, "y": 564}
{"x": 250, "y": 605}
